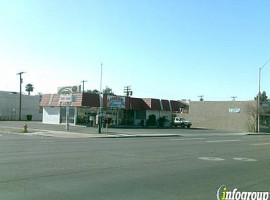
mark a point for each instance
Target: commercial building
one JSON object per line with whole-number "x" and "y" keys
{"x": 10, "y": 102}
{"x": 238, "y": 116}
{"x": 82, "y": 105}
{"x": 120, "y": 109}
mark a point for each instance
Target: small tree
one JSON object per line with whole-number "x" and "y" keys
{"x": 29, "y": 88}
{"x": 108, "y": 91}
{"x": 251, "y": 113}
{"x": 152, "y": 121}
{"x": 162, "y": 121}
{"x": 263, "y": 97}
{"x": 92, "y": 91}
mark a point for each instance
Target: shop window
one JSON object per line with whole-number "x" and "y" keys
{"x": 63, "y": 117}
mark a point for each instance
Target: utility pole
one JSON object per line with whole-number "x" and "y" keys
{"x": 201, "y": 97}
{"x": 233, "y": 98}
{"x": 83, "y": 81}
{"x": 20, "y": 106}
{"x": 128, "y": 91}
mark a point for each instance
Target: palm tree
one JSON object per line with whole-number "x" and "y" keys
{"x": 29, "y": 88}
{"x": 108, "y": 91}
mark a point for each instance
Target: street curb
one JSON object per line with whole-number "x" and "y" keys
{"x": 258, "y": 134}
{"x": 139, "y": 136}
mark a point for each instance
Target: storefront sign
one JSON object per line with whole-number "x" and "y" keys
{"x": 65, "y": 98}
{"x": 234, "y": 110}
{"x": 265, "y": 105}
{"x": 69, "y": 89}
{"x": 116, "y": 101}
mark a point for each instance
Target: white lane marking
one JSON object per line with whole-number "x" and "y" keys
{"x": 245, "y": 159}
{"x": 261, "y": 144}
{"x": 188, "y": 139}
{"x": 47, "y": 141}
{"x": 213, "y": 141}
{"x": 211, "y": 158}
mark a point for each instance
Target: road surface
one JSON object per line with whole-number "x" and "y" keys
{"x": 168, "y": 168}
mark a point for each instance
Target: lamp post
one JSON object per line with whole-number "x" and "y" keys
{"x": 100, "y": 102}
{"x": 20, "y": 105}
{"x": 259, "y": 95}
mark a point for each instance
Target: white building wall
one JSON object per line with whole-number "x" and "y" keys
{"x": 51, "y": 115}
{"x": 10, "y": 102}
{"x": 152, "y": 112}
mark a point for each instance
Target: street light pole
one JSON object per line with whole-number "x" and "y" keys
{"x": 20, "y": 105}
{"x": 100, "y": 102}
{"x": 259, "y": 95}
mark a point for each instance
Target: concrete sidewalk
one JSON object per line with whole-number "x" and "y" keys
{"x": 56, "y": 130}
{"x": 52, "y": 130}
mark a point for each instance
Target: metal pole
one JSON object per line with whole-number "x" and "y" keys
{"x": 20, "y": 106}
{"x": 258, "y": 101}
{"x": 101, "y": 78}
{"x": 67, "y": 117}
{"x": 100, "y": 103}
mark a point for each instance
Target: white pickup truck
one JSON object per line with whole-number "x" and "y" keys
{"x": 179, "y": 121}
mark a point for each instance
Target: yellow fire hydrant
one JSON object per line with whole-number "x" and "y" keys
{"x": 25, "y": 128}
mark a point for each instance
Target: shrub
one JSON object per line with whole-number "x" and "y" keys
{"x": 152, "y": 121}
{"x": 162, "y": 121}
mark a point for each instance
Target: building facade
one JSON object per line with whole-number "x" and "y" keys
{"x": 82, "y": 105}
{"x": 237, "y": 116}
{"x": 123, "y": 111}
{"x": 9, "y": 106}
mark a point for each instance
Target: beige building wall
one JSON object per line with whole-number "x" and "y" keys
{"x": 224, "y": 115}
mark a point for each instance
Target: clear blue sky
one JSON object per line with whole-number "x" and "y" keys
{"x": 174, "y": 49}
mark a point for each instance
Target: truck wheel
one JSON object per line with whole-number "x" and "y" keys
{"x": 182, "y": 125}
{"x": 188, "y": 126}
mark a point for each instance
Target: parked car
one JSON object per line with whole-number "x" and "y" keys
{"x": 179, "y": 121}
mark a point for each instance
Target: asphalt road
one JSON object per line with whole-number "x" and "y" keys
{"x": 182, "y": 168}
